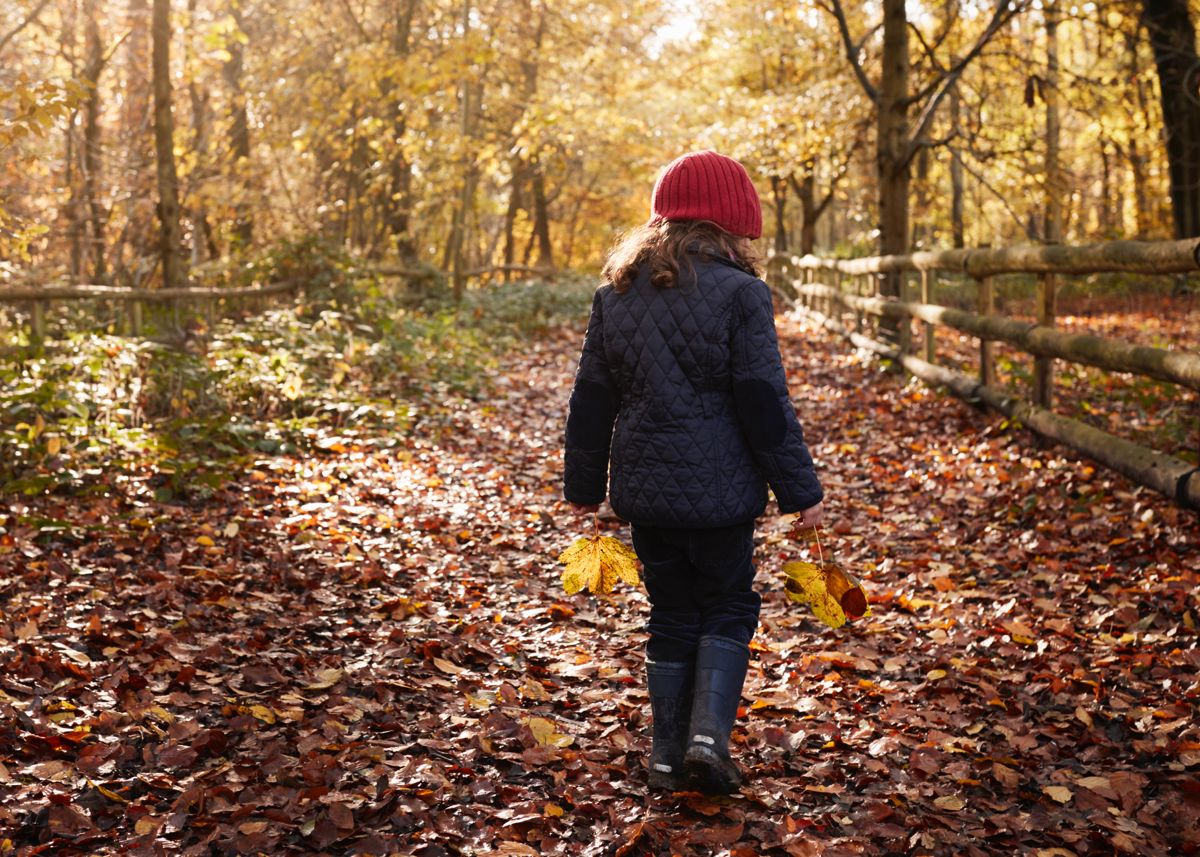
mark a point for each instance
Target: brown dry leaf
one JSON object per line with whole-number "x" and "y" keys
{"x": 449, "y": 667}
{"x": 1058, "y": 793}
{"x": 326, "y": 679}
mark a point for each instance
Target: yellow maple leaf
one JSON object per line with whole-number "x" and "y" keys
{"x": 832, "y": 594}
{"x": 596, "y": 563}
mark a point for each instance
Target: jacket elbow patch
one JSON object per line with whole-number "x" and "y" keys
{"x": 761, "y": 415}
{"x": 589, "y": 424}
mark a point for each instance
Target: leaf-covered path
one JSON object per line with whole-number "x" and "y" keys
{"x": 368, "y": 652}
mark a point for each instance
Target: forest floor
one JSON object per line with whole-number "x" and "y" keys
{"x": 369, "y": 652}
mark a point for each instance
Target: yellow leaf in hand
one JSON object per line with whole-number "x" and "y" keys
{"x": 833, "y": 595}
{"x": 805, "y": 584}
{"x": 596, "y": 563}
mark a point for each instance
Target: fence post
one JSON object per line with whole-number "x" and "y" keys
{"x": 904, "y": 322}
{"x": 1043, "y": 367}
{"x": 37, "y": 323}
{"x": 135, "y": 317}
{"x": 860, "y": 290}
{"x": 930, "y": 345}
{"x": 987, "y": 359}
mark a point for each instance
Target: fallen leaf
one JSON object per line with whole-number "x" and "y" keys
{"x": 546, "y": 733}
{"x": 1058, "y": 793}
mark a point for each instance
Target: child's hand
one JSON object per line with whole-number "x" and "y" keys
{"x": 585, "y": 510}
{"x": 811, "y": 517}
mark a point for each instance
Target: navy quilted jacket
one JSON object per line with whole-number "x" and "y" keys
{"x": 682, "y": 393}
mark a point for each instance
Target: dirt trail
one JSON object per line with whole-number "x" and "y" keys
{"x": 368, "y": 652}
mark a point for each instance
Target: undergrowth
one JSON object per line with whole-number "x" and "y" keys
{"x": 357, "y": 360}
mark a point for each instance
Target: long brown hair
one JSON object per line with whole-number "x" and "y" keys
{"x": 666, "y": 244}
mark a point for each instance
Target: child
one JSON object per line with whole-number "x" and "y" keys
{"x": 681, "y": 355}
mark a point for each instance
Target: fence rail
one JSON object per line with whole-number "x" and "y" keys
{"x": 39, "y": 296}
{"x": 1139, "y": 257}
{"x": 855, "y": 288}
{"x": 209, "y": 298}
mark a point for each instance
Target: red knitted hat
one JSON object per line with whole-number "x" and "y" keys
{"x": 708, "y": 186}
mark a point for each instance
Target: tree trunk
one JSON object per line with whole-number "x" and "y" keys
{"x": 892, "y": 132}
{"x": 203, "y": 242}
{"x": 1173, "y": 38}
{"x": 1135, "y": 155}
{"x": 1055, "y": 186}
{"x": 806, "y": 192}
{"x": 541, "y": 220}
{"x": 1043, "y": 367}
{"x": 399, "y": 201}
{"x": 540, "y": 211}
{"x": 957, "y": 229}
{"x": 137, "y": 131}
{"x": 779, "y": 198}
{"x": 1105, "y": 220}
{"x": 74, "y": 210}
{"x": 921, "y": 232}
{"x": 239, "y": 133}
{"x": 454, "y": 247}
{"x": 91, "y": 144}
{"x": 173, "y": 269}
{"x": 510, "y": 215}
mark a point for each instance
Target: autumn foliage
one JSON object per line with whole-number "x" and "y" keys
{"x": 364, "y": 649}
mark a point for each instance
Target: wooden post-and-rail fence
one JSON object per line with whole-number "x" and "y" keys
{"x": 852, "y": 284}
{"x": 209, "y": 300}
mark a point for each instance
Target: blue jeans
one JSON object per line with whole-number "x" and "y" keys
{"x": 700, "y": 583}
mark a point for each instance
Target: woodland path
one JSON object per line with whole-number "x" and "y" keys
{"x": 369, "y": 652}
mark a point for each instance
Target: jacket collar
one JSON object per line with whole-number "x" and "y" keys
{"x": 719, "y": 258}
{"x": 732, "y": 263}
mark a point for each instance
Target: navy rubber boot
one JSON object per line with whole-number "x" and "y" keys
{"x": 721, "y": 665}
{"x": 670, "y": 685}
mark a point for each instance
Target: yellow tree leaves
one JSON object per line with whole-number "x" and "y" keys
{"x": 596, "y": 563}
{"x": 833, "y": 594}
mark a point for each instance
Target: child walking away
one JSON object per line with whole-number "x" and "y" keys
{"x": 680, "y": 414}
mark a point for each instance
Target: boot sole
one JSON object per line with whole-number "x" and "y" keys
{"x": 664, "y": 782}
{"x": 711, "y": 771}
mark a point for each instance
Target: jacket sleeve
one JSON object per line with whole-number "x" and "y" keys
{"x": 595, "y": 401}
{"x": 765, "y": 412}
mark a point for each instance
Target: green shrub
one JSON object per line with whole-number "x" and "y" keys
{"x": 357, "y": 357}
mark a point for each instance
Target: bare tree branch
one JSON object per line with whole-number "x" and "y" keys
{"x": 362, "y": 32}
{"x": 838, "y": 176}
{"x": 1004, "y": 199}
{"x": 930, "y": 51}
{"x": 834, "y": 7}
{"x": 941, "y": 86}
{"x": 29, "y": 19}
